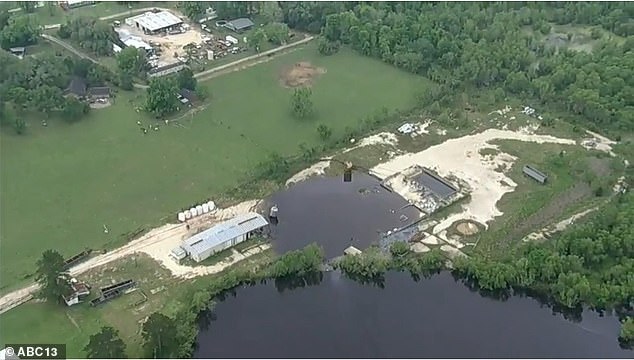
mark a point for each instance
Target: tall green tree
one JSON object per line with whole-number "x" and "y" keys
{"x": 277, "y": 33}
{"x": 47, "y": 98}
{"x": 133, "y": 61}
{"x": 627, "y": 332}
{"x": 161, "y": 96}
{"x": 92, "y": 34}
{"x": 160, "y": 338}
{"x": 21, "y": 30}
{"x": 74, "y": 109}
{"x": 256, "y": 40}
{"x": 302, "y": 103}
{"x": 271, "y": 12}
{"x": 49, "y": 275}
{"x": 185, "y": 79}
{"x": 193, "y": 9}
{"x": 106, "y": 344}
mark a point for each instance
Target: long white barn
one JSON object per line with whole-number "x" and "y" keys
{"x": 223, "y": 236}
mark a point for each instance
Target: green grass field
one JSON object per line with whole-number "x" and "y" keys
{"x": 52, "y": 13}
{"x": 61, "y": 184}
{"x": 34, "y": 321}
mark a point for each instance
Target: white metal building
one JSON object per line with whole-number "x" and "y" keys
{"x": 223, "y": 236}
{"x": 154, "y": 22}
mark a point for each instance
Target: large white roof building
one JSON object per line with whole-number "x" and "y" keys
{"x": 223, "y": 236}
{"x": 153, "y": 22}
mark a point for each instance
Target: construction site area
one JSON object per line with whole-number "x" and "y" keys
{"x": 169, "y": 39}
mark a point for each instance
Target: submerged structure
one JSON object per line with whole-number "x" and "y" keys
{"x": 423, "y": 188}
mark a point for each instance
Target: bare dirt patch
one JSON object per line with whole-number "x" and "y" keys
{"x": 467, "y": 228}
{"x": 301, "y": 74}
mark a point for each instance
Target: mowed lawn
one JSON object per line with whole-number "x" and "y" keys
{"x": 60, "y": 185}
{"x": 55, "y": 14}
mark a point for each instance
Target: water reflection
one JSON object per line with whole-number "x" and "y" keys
{"x": 434, "y": 317}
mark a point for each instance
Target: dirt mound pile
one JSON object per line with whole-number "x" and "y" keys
{"x": 300, "y": 74}
{"x": 467, "y": 228}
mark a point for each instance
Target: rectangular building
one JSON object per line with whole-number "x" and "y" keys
{"x": 152, "y": 23}
{"x": 167, "y": 69}
{"x": 239, "y": 25}
{"x": 223, "y": 236}
{"x": 535, "y": 174}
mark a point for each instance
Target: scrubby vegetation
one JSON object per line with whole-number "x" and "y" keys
{"x": 372, "y": 264}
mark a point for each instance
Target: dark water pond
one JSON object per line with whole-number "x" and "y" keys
{"x": 336, "y": 215}
{"x": 434, "y": 317}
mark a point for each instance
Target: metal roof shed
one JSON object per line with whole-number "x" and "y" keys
{"x": 223, "y": 236}
{"x": 154, "y": 22}
{"x": 240, "y": 24}
{"x": 535, "y": 174}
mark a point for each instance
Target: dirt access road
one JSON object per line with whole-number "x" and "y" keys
{"x": 23, "y": 295}
{"x": 157, "y": 243}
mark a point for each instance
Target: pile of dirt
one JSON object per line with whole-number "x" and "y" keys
{"x": 300, "y": 74}
{"x": 467, "y": 228}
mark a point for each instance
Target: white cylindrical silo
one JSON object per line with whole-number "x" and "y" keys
{"x": 205, "y": 207}
{"x": 199, "y": 209}
{"x": 193, "y": 211}
{"x": 212, "y": 206}
{"x": 181, "y": 216}
{"x": 188, "y": 214}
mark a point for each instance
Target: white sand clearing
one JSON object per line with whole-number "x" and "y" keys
{"x": 452, "y": 251}
{"x": 419, "y": 248}
{"x": 461, "y": 158}
{"x": 558, "y": 227}
{"x": 384, "y": 138}
{"x": 601, "y": 143}
{"x": 316, "y": 169}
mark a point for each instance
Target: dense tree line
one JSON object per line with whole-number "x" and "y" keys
{"x": 372, "y": 265}
{"x": 92, "y": 34}
{"x": 591, "y": 264}
{"x": 487, "y": 45}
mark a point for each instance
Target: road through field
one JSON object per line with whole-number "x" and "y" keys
{"x": 168, "y": 231}
{"x": 166, "y": 234}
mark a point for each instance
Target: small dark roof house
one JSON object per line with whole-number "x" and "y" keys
{"x": 535, "y": 174}
{"x": 77, "y": 87}
{"x": 99, "y": 92}
{"x": 240, "y": 24}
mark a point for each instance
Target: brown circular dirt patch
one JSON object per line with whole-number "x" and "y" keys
{"x": 467, "y": 228}
{"x": 300, "y": 74}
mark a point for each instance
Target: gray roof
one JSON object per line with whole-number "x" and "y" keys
{"x": 439, "y": 186}
{"x": 77, "y": 86}
{"x": 534, "y": 173}
{"x": 241, "y": 23}
{"x": 223, "y": 232}
{"x": 99, "y": 90}
{"x": 179, "y": 252}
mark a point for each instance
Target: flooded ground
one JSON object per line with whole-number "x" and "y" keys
{"x": 435, "y": 317}
{"x": 336, "y": 215}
